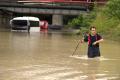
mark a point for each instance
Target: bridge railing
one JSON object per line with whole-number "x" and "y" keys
{"x": 64, "y": 2}
{"x": 51, "y": 4}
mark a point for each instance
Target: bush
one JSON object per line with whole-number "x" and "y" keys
{"x": 82, "y": 21}
{"x": 113, "y": 8}
{"x": 109, "y": 26}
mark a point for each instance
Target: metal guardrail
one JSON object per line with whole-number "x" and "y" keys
{"x": 65, "y": 5}
{"x": 41, "y": 5}
{"x": 51, "y": 3}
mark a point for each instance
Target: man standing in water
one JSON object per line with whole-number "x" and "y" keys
{"x": 93, "y": 39}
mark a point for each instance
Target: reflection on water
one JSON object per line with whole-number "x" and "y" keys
{"x": 47, "y": 56}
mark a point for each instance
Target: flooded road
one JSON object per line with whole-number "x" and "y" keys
{"x": 47, "y": 56}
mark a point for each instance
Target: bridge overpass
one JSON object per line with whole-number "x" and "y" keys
{"x": 56, "y": 8}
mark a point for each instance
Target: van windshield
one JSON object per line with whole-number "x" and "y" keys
{"x": 19, "y": 22}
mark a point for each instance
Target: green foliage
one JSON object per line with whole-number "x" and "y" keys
{"x": 113, "y": 8}
{"x": 108, "y": 26}
{"x": 106, "y": 19}
{"x": 104, "y": 24}
{"x": 82, "y": 21}
{"x": 76, "y": 22}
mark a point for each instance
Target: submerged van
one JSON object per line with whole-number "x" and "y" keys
{"x": 24, "y": 23}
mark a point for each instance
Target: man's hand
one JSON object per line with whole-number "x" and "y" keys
{"x": 101, "y": 40}
{"x": 95, "y": 43}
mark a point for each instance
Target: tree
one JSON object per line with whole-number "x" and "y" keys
{"x": 83, "y": 20}
{"x": 113, "y": 8}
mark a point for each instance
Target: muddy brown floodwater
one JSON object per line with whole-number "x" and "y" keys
{"x": 47, "y": 56}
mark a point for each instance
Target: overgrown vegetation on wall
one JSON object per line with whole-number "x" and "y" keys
{"x": 106, "y": 19}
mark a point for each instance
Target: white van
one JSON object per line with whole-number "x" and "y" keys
{"x": 24, "y": 23}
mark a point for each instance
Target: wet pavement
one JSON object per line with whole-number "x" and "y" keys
{"x": 46, "y": 55}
